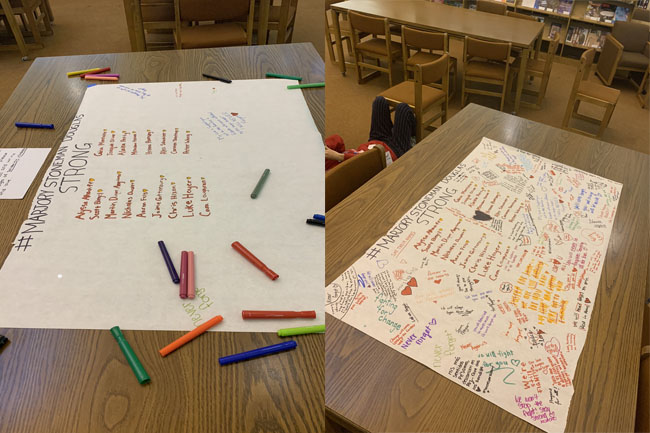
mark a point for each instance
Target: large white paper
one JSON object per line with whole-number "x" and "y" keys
{"x": 174, "y": 162}
{"x": 18, "y": 167}
{"x": 490, "y": 278}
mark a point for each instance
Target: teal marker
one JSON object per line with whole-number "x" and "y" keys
{"x": 260, "y": 183}
{"x": 305, "y": 86}
{"x": 288, "y": 77}
{"x": 131, "y": 357}
{"x": 287, "y": 332}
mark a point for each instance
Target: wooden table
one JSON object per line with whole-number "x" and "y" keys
{"x": 78, "y": 380}
{"x": 458, "y": 22}
{"x": 371, "y": 387}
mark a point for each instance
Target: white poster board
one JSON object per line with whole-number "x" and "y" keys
{"x": 490, "y": 278}
{"x": 18, "y": 167}
{"x": 175, "y": 162}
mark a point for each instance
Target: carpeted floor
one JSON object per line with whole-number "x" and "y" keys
{"x": 348, "y": 104}
{"x": 93, "y": 27}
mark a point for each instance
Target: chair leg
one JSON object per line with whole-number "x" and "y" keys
{"x": 359, "y": 69}
{"x": 576, "y": 106}
{"x": 390, "y": 73}
{"x": 503, "y": 94}
{"x": 462, "y": 91}
{"x": 328, "y": 42}
{"x": 34, "y": 27}
{"x": 569, "y": 110}
{"x": 603, "y": 124}
{"x": 542, "y": 91}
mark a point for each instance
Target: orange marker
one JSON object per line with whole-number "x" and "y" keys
{"x": 190, "y": 275}
{"x": 190, "y": 336}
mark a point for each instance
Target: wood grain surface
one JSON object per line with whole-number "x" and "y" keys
{"x": 371, "y": 387}
{"x": 79, "y": 380}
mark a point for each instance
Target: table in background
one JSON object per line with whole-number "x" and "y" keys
{"x": 372, "y": 387}
{"x": 78, "y": 380}
{"x": 458, "y": 22}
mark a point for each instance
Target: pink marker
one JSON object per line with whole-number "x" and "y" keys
{"x": 183, "y": 288}
{"x": 190, "y": 274}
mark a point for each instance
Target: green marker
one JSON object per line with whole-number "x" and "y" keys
{"x": 288, "y": 77}
{"x": 305, "y": 86}
{"x": 260, "y": 183}
{"x": 301, "y": 330}
{"x": 133, "y": 360}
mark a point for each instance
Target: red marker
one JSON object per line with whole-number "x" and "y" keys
{"x": 250, "y": 314}
{"x": 254, "y": 260}
{"x": 95, "y": 71}
{"x": 183, "y": 289}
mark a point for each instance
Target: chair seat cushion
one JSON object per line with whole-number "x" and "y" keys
{"x": 599, "y": 91}
{"x": 489, "y": 70}
{"x": 633, "y": 60}
{"x": 535, "y": 65}
{"x": 213, "y": 35}
{"x": 378, "y": 46}
{"x": 405, "y": 92}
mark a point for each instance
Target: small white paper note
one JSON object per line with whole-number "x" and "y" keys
{"x": 18, "y": 167}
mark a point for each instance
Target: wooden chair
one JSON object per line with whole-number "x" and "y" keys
{"x": 282, "y": 19}
{"x": 220, "y": 34}
{"x": 35, "y": 12}
{"x": 594, "y": 93}
{"x": 521, "y": 16}
{"x": 420, "y": 96}
{"x": 626, "y": 48}
{"x": 642, "y": 91}
{"x": 642, "y": 422}
{"x": 428, "y": 47}
{"x": 375, "y": 47}
{"x": 345, "y": 178}
{"x": 488, "y": 63}
{"x": 330, "y": 33}
{"x": 536, "y": 68}
{"x": 491, "y": 7}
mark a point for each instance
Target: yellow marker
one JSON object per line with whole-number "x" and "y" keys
{"x": 85, "y": 71}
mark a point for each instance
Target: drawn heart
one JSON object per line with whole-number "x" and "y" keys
{"x": 381, "y": 264}
{"x": 234, "y": 114}
{"x": 561, "y": 201}
{"x": 552, "y": 172}
{"x": 587, "y": 301}
{"x": 475, "y": 281}
{"x": 540, "y": 332}
{"x": 407, "y": 291}
{"x": 557, "y": 262}
{"x": 575, "y": 270}
{"x": 481, "y": 216}
{"x": 531, "y": 176}
{"x": 515, "y": 362}
{"x": 412, "y": 282}
{"x": 437, "y": 281}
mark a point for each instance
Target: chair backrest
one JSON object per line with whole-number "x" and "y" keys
{"x": 586, "y": 60}
{"x": 521, "y": 16}
{"x": 491, "y": 7}
{"x": 367, "y": 24}
{"x": 633, "y": 36}
{"x": 550, "y": 54}
{"x": 641, "y": 14}
{"x": 428, "y": 73}
{"x": 498, "y": 51}
{"x": 425, "y": 40}
{"x": 345, "y": 178}
{"x": 212, "y": 10}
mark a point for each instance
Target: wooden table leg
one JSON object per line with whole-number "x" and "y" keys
{"x": 337, "y": 39}
{"x": 11, "y": 19}
{"x": 520, "y": 78}
{"x": 263, "y": 25}
{"x": 538, "y": 45}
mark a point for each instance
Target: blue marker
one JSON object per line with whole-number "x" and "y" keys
{"x": 34, "y": 125}
{"x": 275, "y": 348}
{"x": 91, "y": 85}
{"x": 319, "y": 217}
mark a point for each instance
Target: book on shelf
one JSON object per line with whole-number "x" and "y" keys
{"x": 592, "y": 39}
{"x": 528, "y": 3}
{"x": 555, "y": 29}
{"x": 569, "y": 34}
{"x": 601, "y": 39}
{"x": 593, "y": 11}
{"x": 622, "y": 13}
{"x": 581, "y": 37}
{"x": 564, "y": 7}
{"x": 607, "y": 12}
